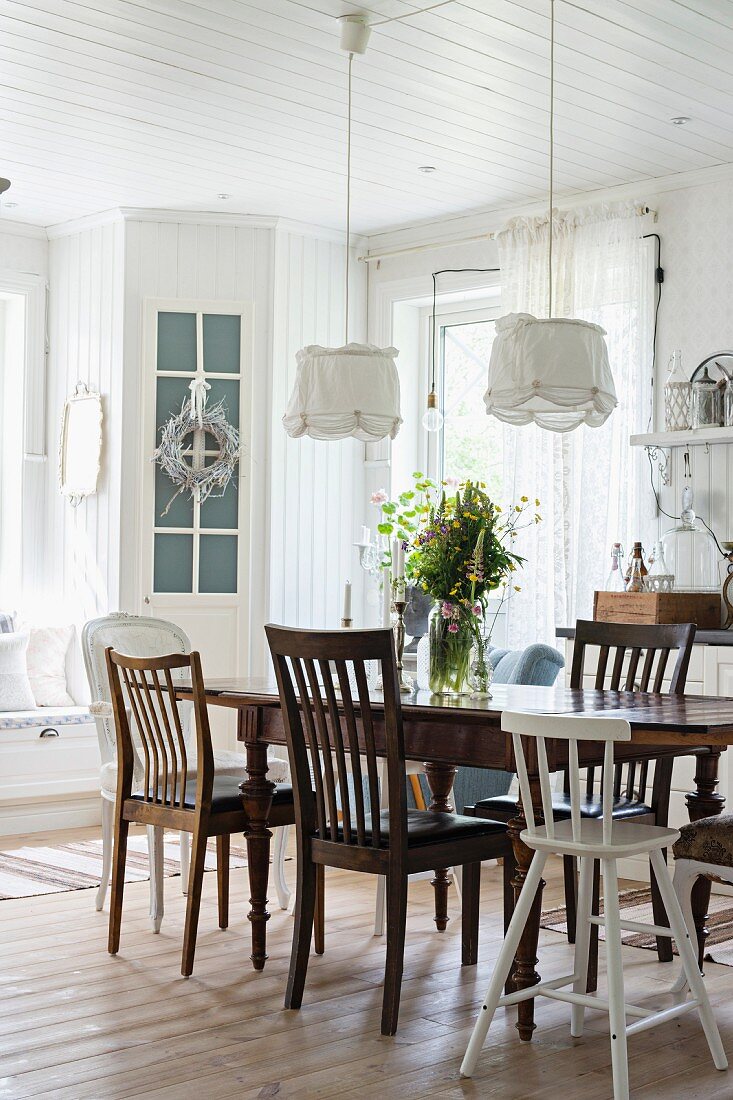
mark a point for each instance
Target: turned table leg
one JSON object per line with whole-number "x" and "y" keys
{"x": 257, "y": 792}
{"x": 525, "y": 961}
{"x": 705, "y": 801}
{"x": 440, "y": 780}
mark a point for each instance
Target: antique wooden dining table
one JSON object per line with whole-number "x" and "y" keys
{"x": 446, "y": 733}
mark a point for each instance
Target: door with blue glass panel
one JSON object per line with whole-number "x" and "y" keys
{"x": 196, "y": 546}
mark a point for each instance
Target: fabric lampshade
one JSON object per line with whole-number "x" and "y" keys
{"x": 553, "y": 371}
{"x": 348, "y": 391}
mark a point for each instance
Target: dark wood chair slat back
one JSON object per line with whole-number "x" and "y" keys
{"x": 150, "y": 730}
{"x": 655, "y": 643}
{"x": 330, "y": 730}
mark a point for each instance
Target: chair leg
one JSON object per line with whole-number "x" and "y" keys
{"x": 457, "y": 873}
{"x": 118, "y": 884}
{"x": 379, "y": 905}
{"x": 470, "y": 897}
{"x": 570, "y": 874}
{"x": 223, "y": 843}
{"x": 685, "y": 877}
{"x": 616, "y": 1007}
{"x": 193, "y": 902}
{"x": 510, "y": 867}
{"x": 108, "y": 830}
{"x": 279, "y": 848}
{"x": 319, "y": 916}
{"x": 582, "y": 942}
{"x": 305, "y": 903}
{"x": 688, "y": 956}
{"x": 664, "y": 943}
{"x": 156, "y": 855}
{"x": 504, "y": 963}
{"x": 593, "y": 949}
{"x": 396, "y": 923}
{"x": 184, "y": 847}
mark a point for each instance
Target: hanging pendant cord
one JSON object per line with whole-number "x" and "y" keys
{"x": 552, "y": 151}
{"x": 348, "y": 202}
{"x": 449, "y": 271}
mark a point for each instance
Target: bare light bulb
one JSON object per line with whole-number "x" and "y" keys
{"x": 432, "y": 421}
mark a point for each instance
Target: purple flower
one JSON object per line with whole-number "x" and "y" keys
{"x": 446, "y": 610}
{"x": 453, "y": 628}
{"x": 477, "y": 609}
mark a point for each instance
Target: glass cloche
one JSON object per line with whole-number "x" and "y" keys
{"x": 690, "y": 552}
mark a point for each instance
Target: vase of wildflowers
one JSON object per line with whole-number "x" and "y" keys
{"x": 461, "y": 556}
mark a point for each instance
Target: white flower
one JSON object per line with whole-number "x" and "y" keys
{"x": 379, "y": 497}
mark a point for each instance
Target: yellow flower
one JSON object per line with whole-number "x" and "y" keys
{"x": 524, "y": 499}
{"x": 456, "y": 523}
{"x": 517, "y": 508}
{"x": 498, "y": 507}
{"x": 517, "y": 588}
{"x": 472, "y": 577}
{"x": 536, "y": 503}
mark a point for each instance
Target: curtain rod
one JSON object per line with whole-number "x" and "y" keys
{"x": 370, "y": 258}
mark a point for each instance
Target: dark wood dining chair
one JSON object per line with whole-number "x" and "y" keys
{"x": 157, "y": 783}
{"x": 639, "y": 659}
{"x": 328, "y": 714}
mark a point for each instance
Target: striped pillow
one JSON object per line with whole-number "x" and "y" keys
{"x": 7, "y": 622}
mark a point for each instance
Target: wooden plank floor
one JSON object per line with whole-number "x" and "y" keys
{"x": 79, "y": 1025}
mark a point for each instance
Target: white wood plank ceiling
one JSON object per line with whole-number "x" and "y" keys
{"x": 170, "y": 103}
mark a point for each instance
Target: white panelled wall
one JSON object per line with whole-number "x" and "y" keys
{"x": 302, "y": 522}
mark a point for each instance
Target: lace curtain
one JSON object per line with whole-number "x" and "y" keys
{"x": 590, "y": 483}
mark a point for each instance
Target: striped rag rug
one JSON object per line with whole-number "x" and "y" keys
{"x": 636, "y": 905}
{"x": 29, "y": 872}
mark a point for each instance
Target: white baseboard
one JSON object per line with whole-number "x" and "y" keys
{"x": 48, "y": 814}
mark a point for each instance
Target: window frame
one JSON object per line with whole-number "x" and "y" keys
{"x": 447, "y": 314}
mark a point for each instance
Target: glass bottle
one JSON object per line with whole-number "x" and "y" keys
{"x": 637, "y": 555}
{"x": 637, "y": 578}
{"x": 615, "y": 580}
{"x": 677, "y": 396}
{"x": 659, "y": 578}
{"x": 707, "y": 409}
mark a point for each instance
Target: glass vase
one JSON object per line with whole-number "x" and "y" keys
{"x": 451, "y": 652}
{"x": 482, "y": 670}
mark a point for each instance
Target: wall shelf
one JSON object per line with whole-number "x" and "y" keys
{"x": 696, "y": 437}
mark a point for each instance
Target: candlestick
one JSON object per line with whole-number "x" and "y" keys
{"x": 366, "y": 537}
{"x": 346, "y": 623}
{"x": 347, "y": 601}
{"x": 405, "y": 683}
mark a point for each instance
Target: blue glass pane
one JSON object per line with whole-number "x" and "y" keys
{"x": 170, "y": 393}
{"x": 177, "y": 341}
{"x": 221, "y": 511}
{"x": 221, "y": 343}
{"x": 173, "y": 563}
{"x": 229, "y": 391}
{"x": 218, "y": 563}
{"x": 180, "y": 513}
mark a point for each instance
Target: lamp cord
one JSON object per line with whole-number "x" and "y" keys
{"x": 721, "y": 551}
{"x": 450, "y": 271}
{"x": 348, "y": 202}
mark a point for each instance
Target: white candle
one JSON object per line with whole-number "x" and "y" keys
{"x": 347, "y": 600}
{"x": 366, "y": 536}
{"x": 386, "y": 598}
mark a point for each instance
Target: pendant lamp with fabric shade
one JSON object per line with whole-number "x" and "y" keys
{"x": 552, "y": 371}
{"x": 353, "y": 390}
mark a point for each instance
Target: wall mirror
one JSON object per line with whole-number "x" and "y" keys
{"x": 81, "y": 444}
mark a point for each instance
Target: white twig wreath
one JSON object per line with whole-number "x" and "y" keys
{"x": 183, "y": 459}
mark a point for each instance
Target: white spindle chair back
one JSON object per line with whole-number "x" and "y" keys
{"x": 570, "y": 728}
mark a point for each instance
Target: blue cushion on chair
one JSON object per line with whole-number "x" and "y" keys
{"x": 538, "y": 665}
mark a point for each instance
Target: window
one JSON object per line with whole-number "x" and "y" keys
{"x": 469, "y": 445}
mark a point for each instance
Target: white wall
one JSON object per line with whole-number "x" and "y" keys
{"x": 81, "y": 552}
{"x": 316, "y": 487}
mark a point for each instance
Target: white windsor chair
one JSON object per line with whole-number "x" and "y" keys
{"x": 591, "y": 840}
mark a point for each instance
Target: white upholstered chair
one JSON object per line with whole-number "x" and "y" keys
{"x": 139, "y": 636}
{"x": 589, "y": 840}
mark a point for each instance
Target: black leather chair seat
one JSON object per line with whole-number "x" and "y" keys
{"x": 425, "y": 827}
{"x": 227, "y": 796}
{"x": 623, "y": 808}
